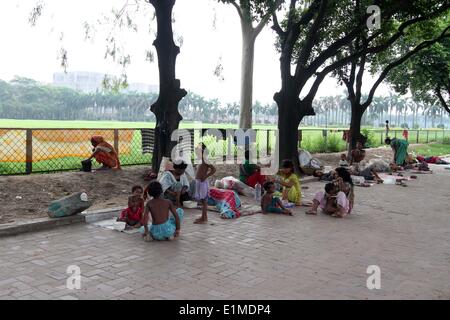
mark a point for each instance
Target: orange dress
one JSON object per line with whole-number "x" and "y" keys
{"x": 105, "y": 153}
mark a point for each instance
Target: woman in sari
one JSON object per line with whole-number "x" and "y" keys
{"x": 342, "y": 191}
{"x": 250, "y": 174}
{"x": 400, "y": 148}
{"x": 104, "y": 153}
{"x": 175, "y": 184}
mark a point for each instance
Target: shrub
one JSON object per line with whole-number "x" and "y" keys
{"x": 446, "y": 140}
{"x": 319, "y": 144}
{"x": 404, "y": 126}
{"x": 441, "y": 126}
{"x": 370, "y": 136}
{"x": 334, "y": 143}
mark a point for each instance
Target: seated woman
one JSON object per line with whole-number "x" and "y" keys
{"x": 250, "y": 174}
{"x": 331, "y": 201}
{"x": 290, "y": 183}
{"x": 344, "y": 183}
{"x": 400, "y": 148}
{"x": 175, "y": 184}
{"x": 104, "y": 153}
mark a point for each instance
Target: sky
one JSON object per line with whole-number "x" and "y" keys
{"x": 210, "y": 31}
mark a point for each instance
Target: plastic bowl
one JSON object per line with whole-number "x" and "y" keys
{"x": 119, "y": 225}
{"x": 190, "y": 204}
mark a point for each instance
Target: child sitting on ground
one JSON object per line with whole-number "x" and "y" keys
{"x": 343, "y": 162}
{"x": 270, "y": 204}
{"x": 331, "y": 202}
{"x": 133, "y": 214}
{"x": 290, "y": 183}
{"x": 162, "y": 227}
{"x": 204, "y": 171}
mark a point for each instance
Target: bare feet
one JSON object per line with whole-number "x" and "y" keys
{"x": 200, "y": 221}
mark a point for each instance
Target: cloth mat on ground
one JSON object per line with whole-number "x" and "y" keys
{"x": 109, "y": 224}
{"x": 385, "y": 175}
{"x": 245, "y": 209}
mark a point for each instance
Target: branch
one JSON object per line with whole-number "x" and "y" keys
{"x": 239, "y": 11}
{"x": 359, "y": 77}
{"x": 351, "y": 80}
{"x": 291, "y": 14}
{"x": 332, "y": 49}
{"x": 442, "y": 100}
{"x": 267, "y": 16}
{"x": 398, "y": 62}
{"x": 276, "y": 26}
{"x": 311, "y": 35}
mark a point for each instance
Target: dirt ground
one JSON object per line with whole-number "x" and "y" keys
{"x": 28, "y": 197}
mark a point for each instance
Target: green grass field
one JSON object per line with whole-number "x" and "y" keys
{"x": 313, "y": 141}
{"x": 432, "y": 149}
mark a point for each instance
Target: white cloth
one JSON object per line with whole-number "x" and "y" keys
{"x": 168, "y": 181}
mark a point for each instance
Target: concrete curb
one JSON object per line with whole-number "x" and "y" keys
{"x": 13, "y": 229}
{"x": 89, "y": 216}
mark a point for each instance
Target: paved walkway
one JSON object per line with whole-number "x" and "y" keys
{"x": 404, "y": 231}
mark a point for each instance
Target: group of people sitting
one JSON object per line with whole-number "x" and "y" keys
{"x": 172, "y": 189}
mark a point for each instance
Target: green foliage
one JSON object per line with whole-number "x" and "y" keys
{"x": 441, "y": 126}
{"x": 404, "y": 126}
{"x": 255, "y": 10}
{"x": 320, "y": 144}
{"x": 370, "y": 136}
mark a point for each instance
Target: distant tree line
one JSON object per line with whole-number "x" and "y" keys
{"x": 24, "y": 98}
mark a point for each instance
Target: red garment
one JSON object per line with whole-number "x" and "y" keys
{"x": 129, "y": 214}
{"x": 227, "y": 196}
{"x": 255, "y": 178}
{"x": 346, "y": 136}
{"x": 108, "y": 159}
{"x": 405, "y": 134}
{"x": 431, "y": 159}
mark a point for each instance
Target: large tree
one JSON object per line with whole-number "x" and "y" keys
{"x": 312, "y": 41}
{"x": 428, "y": 71}
{"x": 170, "y": 92}
{"x": 396, "y": 48}
{"x": 250, "y": 12}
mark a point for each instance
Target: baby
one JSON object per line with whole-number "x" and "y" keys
{"x": 162, "y": 227}
{"x": 204, "y": 171}
{"x": 270, "y": 204}
{"x": 133, "y": 214}
{"x": 343, "y": 162}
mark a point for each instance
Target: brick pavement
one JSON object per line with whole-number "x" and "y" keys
{"x": 405, "y": 231}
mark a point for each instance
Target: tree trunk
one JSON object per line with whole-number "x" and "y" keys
{"x": 355, "y": 124}
{"x": 170, "y": 93}
{"x": 291, "y": 111}
{"x": 248, "y": 55}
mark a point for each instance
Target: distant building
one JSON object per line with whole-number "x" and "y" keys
{"x": 88, "y": 82}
